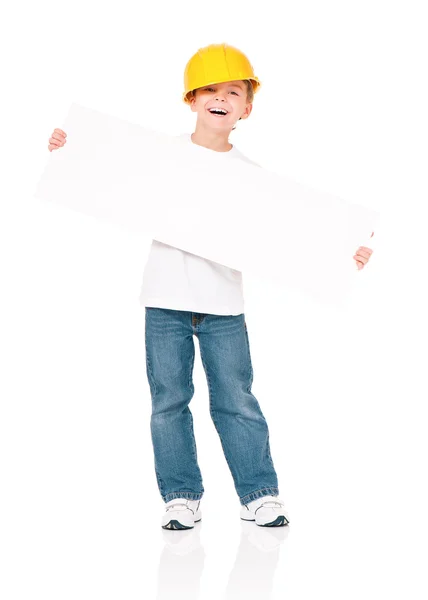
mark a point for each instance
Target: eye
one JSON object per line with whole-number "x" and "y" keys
{"x": 235, "y": 93}
{"x": 209, "y": 89}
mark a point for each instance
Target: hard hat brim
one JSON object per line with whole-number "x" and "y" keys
{"x": 254, "y": 80}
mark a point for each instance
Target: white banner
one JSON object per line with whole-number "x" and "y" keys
{"x": 208, "y": 203}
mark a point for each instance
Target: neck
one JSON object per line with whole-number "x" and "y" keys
{"x": 213, "y": 140}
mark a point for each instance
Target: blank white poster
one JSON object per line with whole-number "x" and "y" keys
{"x": 208, "y": 203}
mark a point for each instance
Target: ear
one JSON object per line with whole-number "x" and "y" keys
{"x": 192, "y": 105}
{"x": 192, "y": 101}
{"x": 247, "y": 111}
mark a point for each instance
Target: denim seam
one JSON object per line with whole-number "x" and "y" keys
{"x": 257, "y": 494}
{"x": 249, "y": 391}
{"x": 249, "y": 359}
{"x": 192, "y": 388}
{"x": 160, "y": 481}
{"x": 187, "y": 495}
{"x": 211, "y": 408}
{"x": 148, "y": 363}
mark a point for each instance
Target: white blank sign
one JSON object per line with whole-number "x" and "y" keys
{"x": 211, "y": 204}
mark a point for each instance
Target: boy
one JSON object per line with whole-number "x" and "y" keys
{"x": 186, "y": 295}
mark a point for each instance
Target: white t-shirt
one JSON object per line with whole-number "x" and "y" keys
{"x": 179, "y": 280}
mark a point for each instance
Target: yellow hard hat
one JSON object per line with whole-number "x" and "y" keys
{"x": 217, "y": 63}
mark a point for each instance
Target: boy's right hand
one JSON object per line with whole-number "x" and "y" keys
{"x": 57, "y": 140}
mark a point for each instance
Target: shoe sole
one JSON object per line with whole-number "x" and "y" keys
{"x": 174, "y": 524}
{"x": 279, "y": 521}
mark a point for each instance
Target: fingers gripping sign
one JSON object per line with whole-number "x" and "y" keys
{"x": 57, "y": 140}
{"x": 362, "y": 255}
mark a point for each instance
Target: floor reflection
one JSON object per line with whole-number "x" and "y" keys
{"x": 251, "y": 576}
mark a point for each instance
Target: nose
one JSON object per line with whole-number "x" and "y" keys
{"x": 220, "y": 96}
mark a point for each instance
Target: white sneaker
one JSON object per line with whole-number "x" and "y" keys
{"x": 267, "y": 511}
{"x": 181, "y": 514}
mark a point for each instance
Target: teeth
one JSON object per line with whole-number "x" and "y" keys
{"x": 220, "y": 111}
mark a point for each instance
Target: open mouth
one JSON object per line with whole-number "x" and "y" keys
{"x": 221, "y": 112}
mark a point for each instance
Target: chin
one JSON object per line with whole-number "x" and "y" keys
{"x": 220, "y": 126}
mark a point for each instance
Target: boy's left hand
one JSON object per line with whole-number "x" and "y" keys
{"x": 362, "y": 256}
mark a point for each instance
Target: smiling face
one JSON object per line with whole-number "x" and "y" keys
{"x": 221, "y": 105}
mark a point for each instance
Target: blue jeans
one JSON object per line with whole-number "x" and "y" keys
{"x": 243, "y": 431}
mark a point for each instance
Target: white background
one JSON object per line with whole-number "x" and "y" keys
{"x": 342, "y": 108}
